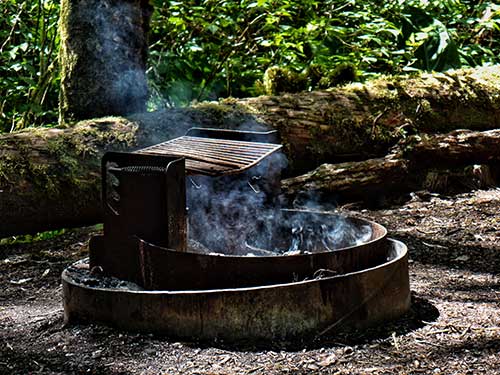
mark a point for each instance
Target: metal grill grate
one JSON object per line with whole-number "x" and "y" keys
{"x": 214, "y": 157}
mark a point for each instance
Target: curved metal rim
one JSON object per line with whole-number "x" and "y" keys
{"x": 404, "y": 251}
{"x": 289, "y": 311}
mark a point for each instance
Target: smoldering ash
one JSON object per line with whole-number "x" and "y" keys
{"x": 242, "y": 215}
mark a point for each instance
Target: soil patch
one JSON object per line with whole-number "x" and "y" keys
{"x": 452, "y": 328}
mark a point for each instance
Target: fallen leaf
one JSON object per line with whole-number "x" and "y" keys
{"x": 20, "y": 281}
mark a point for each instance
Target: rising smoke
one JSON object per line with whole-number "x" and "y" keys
{"x": 242, "y": 215}
{"x": 223, "y": 210}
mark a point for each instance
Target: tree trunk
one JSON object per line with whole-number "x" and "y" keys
{"x": 49, "y": 178}
{"x": 415, "y": 163}
{"x": 103, "y": 58}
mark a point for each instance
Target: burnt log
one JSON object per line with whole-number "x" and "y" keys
{"x": 417, "y": 162}
{"x": 49, "y": 178}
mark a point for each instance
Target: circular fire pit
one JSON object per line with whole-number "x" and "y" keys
{"x": 236, "y": 298}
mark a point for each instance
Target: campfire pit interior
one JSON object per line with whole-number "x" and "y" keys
{"x": 198, "y": 273}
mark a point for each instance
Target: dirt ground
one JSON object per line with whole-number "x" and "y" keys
{"x": 452, "y": 328}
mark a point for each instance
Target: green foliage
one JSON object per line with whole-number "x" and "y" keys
{"x": 28, "y": 238}
{"x": 206, "y": 49}
{"x": 28, "y": 69}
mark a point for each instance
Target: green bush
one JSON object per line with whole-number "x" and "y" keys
{"x": 207, "y": 49}
{"x": 29, "y": 72}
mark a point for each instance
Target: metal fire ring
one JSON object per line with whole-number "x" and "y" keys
{"x": 284, "y": 311}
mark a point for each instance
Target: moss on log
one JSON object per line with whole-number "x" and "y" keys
{"x": 50, "y": 177}
{"x": 360, "y": 121}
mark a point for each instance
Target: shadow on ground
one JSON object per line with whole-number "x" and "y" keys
{"x": 444, "y": 253}
{"x": 421, "y": 313}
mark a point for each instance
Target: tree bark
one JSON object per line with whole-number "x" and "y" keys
{"x": 49, "y": 178}
{"x": 103, "y": 58}
{"x": 414, "y": 164}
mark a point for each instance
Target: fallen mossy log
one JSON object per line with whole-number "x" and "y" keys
{"x": 415, "y": 163}
{"x": 459, "y": 147}
{"x": 362, "y": 121}
{"x": 365, "y": 180}
{"x": 49, "y": 178}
